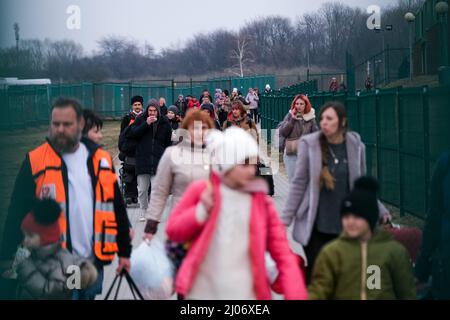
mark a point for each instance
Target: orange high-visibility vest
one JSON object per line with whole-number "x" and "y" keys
{"x": 46, "y": 168}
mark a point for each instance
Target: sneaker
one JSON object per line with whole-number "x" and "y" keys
{"x": 141, "y": 216}
{"x": 129, "y": 201}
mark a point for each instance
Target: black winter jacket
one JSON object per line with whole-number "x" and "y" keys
{"x": 152, "y": 141}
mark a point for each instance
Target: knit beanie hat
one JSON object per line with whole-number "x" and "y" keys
{"x": 43, "y": 220}
{"x": 137, "y": 99}
{"x": 153, "y": 103}
{"x": 174, "y": 109}
{"x": 362, "y": 201}
{"x": 209, "y": 107}
{"x": 230, "y": 148}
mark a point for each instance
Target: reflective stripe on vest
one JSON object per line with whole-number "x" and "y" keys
{"x": 46, "y": 168}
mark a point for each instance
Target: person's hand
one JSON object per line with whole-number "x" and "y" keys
{"x": 387, "y": 218}
{"x": 151, "y": 119}
{"x": 293, "y": 113}
{"x": 147, "y": 236}
{"x": 131, "y": 233}
{"x": 207, "y": 199}
{"x": 124, "y": 263}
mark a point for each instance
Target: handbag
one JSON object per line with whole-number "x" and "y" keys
{"x": 178, "y": 251}
{"x": 409, "y": 237}
{"x": 134, "y": 290}
{"x": 291, "y": 146}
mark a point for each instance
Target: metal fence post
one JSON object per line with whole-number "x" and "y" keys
{"x": 173, "y": 91}
{"x": 426, "y": 144}
{"x": 377, "y": 135}
{"x": 399, "y": 144}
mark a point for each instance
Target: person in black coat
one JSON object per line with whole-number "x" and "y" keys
{"x": 153, "y": 134}
{"x": 127, "y": 148}
{"x": 181, "y": 104}
{"x": 162, "y": 106}
{"x": 173, "y": 115}
{"x": 434, "y": 258}
{"x": 209, "y": 108}
{"x": 137, "y": 103}
{"x": 205, "y": 93}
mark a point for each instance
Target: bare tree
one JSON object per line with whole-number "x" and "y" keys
{"x": 241, "y": 54}
{"x": 17, "y": 35}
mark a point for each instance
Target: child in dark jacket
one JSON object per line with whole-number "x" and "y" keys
{"x": 363, "y": 263}
{"x": 173, "y": 115}
{"x": 47, "y": 272}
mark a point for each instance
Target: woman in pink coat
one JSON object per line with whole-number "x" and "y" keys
{"x": 231, "y": 224}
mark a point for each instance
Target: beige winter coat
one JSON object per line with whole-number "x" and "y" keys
{"x": 179, "y": 166}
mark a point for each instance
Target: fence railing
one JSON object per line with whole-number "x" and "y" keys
{"x": 404, "y": 130}
{"x": 306, "y": 87}
{"x": 23, "y": 106}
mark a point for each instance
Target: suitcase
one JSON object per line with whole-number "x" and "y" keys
{"x": 409, "y": 237}
{"x": 265, "y": 172}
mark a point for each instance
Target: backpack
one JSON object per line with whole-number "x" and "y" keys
{"x": 127, "y": 145}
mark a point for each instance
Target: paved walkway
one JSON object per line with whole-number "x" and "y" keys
{"x": 280, "y": 197}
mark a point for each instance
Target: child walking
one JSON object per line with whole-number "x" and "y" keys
{"x": 364, "y": 263}
{"x": 232, "y": 223}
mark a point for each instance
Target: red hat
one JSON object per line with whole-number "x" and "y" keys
{"x": 43, "y": 220}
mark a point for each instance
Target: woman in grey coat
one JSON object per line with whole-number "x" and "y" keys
{"x": 299, "y": 121}
{"x": 329, "y": 161}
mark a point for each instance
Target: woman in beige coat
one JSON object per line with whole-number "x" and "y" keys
{"x": 180, "y": 165}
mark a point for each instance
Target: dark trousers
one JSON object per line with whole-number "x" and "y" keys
{"x": 130, "y": 180}
{"x": 254, "y": 113}
{"x": 312, "y": 250}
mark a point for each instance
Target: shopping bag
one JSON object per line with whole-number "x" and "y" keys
{"x": 152, "y": 271}
{"x": 131, "y": 283}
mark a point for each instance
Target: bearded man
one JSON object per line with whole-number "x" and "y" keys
{"x": 79, "y": 175}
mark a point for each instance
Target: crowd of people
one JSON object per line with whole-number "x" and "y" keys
{"x": 223, "y": 227}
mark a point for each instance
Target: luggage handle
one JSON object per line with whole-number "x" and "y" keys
{"x": 133, "y": 288}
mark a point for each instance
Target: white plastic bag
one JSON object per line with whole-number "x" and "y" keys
{"x": 152, "y": 271}
{"x": 271, "y": 267}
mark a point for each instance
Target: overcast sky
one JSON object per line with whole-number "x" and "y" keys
{"x": 159, "y": 23}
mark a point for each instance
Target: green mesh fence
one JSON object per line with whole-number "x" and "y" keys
{"x": 404, "y": 130}
{"x": 23, "y": 106}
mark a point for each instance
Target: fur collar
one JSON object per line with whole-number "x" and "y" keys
{"x": 310, "y": 115}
